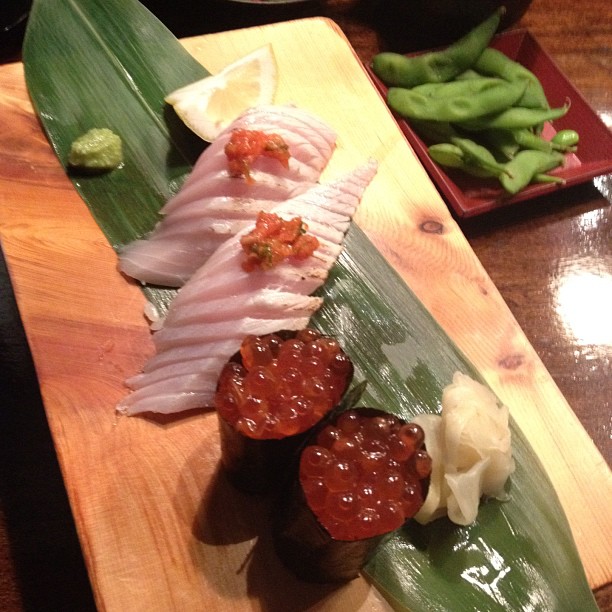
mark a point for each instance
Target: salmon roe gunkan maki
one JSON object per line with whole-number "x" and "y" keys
{"x": 281, "y": 387}
{"x": 364, "y": 476}
{"x": 358, "y": 480}
{"x": 268, "y": 398}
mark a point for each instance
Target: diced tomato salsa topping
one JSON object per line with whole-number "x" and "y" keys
{"x": 274, "y": 239}
{"x": 245, "y": 146}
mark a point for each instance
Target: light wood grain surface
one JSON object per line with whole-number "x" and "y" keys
{"x": 152, "y": 513}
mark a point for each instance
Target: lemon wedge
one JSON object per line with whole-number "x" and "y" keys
{"x": 209, "y": 105}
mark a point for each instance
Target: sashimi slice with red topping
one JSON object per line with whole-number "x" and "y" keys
{"x": 216, "y": 202}
{"x": 223, "y": 302}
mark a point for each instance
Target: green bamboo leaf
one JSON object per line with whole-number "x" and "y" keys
{"x": 109, "y": 63}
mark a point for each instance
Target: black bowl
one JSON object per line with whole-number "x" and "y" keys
{"x": 414, "y": 25}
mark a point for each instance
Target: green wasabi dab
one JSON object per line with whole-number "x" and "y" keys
{"x": 98, "y": 150}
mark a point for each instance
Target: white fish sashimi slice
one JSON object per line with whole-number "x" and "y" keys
{"x": 225, "y": 264}
{"x": 179, "y": 368}
{"x": 219, "y": 208}
{"x": 271, "y": 181}
{"x": 172, "y": 271}
{"x": 304, "y": 164}
{"x": 175, "y": 250}
{"x": 191, "y": 333}
{"x": 236, "y": 200}
{"x": 224, "y": 318}
{"x": 326, "y": 209}
{"x": 261, "y": 304}
{"x": 311, "y": 143}
{"x": 192, "y": 227}
{"x": 297, "y": 273}
{"x": 258, "y": 303}
{"x": 199, "y": 318}
{"x": 187, "y": 353}
{"x": 164, "y": 399}
{"x": 297, "y": 280}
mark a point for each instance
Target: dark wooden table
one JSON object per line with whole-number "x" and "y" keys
{"x": 551, "y": 259}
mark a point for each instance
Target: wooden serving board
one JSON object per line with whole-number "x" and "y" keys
{"x": 158, "y": 528}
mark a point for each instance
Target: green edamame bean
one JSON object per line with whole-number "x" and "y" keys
{"x": 477, "y": 156}
{"x": 398, "y": 70}
{"x": 481, "y": 98}
{"x": 446, "y": 154}
{"x": 451, "y": 156}
{"x": 494, "y": 63}
{"x": 567, "y": 139}
{"x": 467, "y": 156}
{"x": 529, "y": 140}
{"x": 528, "y": 163}
{"x": 515, "y": 118}
{"x": 467, "y": 87}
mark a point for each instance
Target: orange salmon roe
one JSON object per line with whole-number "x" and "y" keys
{"x": 283, "y": 386}
{"x": 273, "y": 240}
{"x": 362, "y": 477}
{"x": 245, "y": 146}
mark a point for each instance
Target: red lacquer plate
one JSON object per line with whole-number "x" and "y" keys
{"x": 470, "y": 196}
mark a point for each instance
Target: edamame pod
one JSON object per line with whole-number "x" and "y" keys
{"x": 521, "y": 170}
{"x": 494, "y": 63}
{"x": 515, "y": 118}
{"x": 467, "y": 156}
{"x": 451, "y": 156}
{"x": 481, "y": 98}
{"x": 477, "y": 156}
{"x": 446, "y": 154}
{"x": 398, "y": 70}
{"x": 466, "y": 87}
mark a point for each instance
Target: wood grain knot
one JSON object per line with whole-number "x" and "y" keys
{"x": 512, "y": 362}
{"x": 432, "y": 227}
